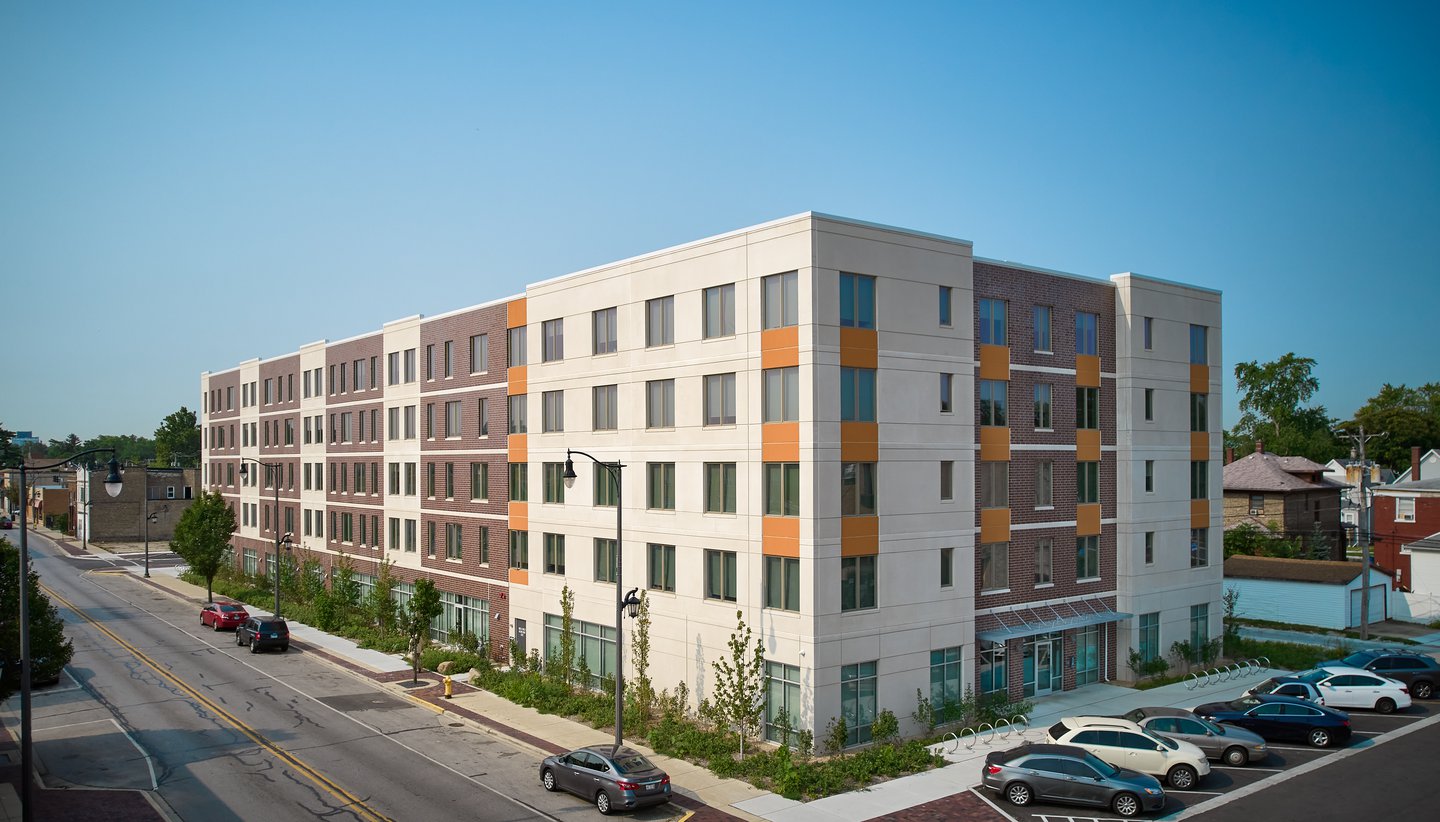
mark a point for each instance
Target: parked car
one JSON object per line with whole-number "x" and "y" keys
{"x": 219, "y": 615}
{"x": 1289, "y": 686}
{"x": 1069, "y": 775}
{"x": 613, "y": 778}
{"x": 1419, "y": 672}
{"x": 1357, "y": 688}
{"x": 5, "y": 523}
{"x": 261, "y": 633}
{"x": 1281, "y": 718}
{"x": 1231, "y": 744}
{"x": 1124, "y": 744}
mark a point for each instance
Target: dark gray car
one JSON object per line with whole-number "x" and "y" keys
{"x": 1227, "y": 743}
{"x": 1069, "y": 775}
{"x": 261, "y": 633}
{"x": 613, "y": 779}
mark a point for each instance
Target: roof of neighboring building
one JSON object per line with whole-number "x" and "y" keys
{"x": 1430, "y": 458}
{"x": 1263, "y": 471}
{"x": 1430, "y": 543}
{"x": 1421, "y": 485}
{"x": 1320, "y": 571}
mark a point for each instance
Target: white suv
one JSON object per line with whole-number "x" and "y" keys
{"x": 1125, "y": 744}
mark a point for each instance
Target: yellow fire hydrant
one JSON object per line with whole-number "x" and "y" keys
{"x": 449, "y": 688}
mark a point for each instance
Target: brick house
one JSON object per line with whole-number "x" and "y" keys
{"x": 1287, "y": 497}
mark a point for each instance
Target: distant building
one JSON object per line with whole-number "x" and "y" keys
{"x": 1289, "y": 497}
{"x": 1323, "y": 593}
{"x": 1348, "y": 475}
{"x": 1404, "y": 512}
{"x": 163, "y": 493}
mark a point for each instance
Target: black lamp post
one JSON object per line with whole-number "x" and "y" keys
{"x": 113, "y": 484}
{"x": 274, "y": 470}
{"x": 623, "y": 601}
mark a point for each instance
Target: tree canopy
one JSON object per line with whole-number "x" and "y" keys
{"x": 1272, "y": 409}
{"x": 423, "y": 608}
{"x": 202, "y": 536}
{"x": 1408, "y": 417}
{"x": 177, "y": 440}
{"x": 49, "y": 649}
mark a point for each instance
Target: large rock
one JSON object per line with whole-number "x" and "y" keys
{"x": 446, "y": 667}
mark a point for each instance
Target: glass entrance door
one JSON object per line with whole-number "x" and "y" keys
{"x": 1043, "y": 671}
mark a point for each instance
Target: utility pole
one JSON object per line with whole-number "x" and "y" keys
{"x": 1362, "y": 522}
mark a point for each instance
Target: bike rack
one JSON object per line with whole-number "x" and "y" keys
{"x": 1022, "y": 720}
{"x": 952, "y": 738}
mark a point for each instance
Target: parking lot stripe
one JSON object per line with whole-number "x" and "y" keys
{"x": 1244, "y": 768}
{"x": 1369, "y": 733}
{"x": 1197, "y": 793}
{"x": 983, "y": 798}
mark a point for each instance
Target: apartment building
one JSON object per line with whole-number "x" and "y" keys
{"x": 825, "y": 425}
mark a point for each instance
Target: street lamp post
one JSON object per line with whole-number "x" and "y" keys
{"x": 113, "y": 484}
{"x": 274, "y": 470}
{"x": 149, "y": 518}
{"x": 623, "y": 601}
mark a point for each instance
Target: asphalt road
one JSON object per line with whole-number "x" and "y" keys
{"x": 154, "y": 702}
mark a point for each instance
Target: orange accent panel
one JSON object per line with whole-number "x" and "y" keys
{"x": 1199, "y": 379}
{"x": 515, "y": 313}
{"x": 516, "y": 379}
{"x": 1087, "y": 445}
{"x": 519, "y": 513}
{"x": 995, "y": 362}
{"x": 859, "y": 442}
{"x": 1087, "y": 519}
{"x": 518, "y": 447}
{"x": 780, "y": 347}
{"x": 1087, "y": 371}
{"x": 519, "y": 576}
{"x": 859, "y": 347}
{"x": 994, "y": 444}
{"x": 780, "y": 536}
{"x": 780, "y": 442}
{"x": 994, "y": 525}
{"x": 1199, "y": 513}
{"x": 1199, "y": 446}
{"x": 859, "y": 536}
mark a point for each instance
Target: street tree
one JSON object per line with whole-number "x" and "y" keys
{"x": 424, "y": 607}
{"x": 9, "y": 451}
{"x": 740, "y": 682}
{"x": 1409, "y": 417}
{"x": 202, "y": 536}
{"x": 177, "y": 439}
{"x": 49, "y": 649}
{"x": 1273, "y": 409}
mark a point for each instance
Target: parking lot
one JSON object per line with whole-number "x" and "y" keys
{"x": 1367, "y": 727}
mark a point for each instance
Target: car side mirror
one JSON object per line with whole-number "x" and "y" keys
{"x": 1160, "y": 748}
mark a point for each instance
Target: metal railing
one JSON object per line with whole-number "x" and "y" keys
{"x": 1000, "y": 729}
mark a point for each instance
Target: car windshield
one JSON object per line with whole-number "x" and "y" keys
{"x": 631, "y": 763}
{"x": 1266, "y": 687}
{"x": 1244, "y": 703}
{"x": 1105, "y": 768}
{"x": 1313, "y": 676}
{"x": 230, "y": 608}
{"x": 1169, "y": 743}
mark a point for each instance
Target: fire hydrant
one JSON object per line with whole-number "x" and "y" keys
{"x": 449, "y": 688}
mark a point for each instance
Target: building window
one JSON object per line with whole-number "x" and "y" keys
{"x": 779, "y": 293}
{"x": 604, "y": 560}
{"x": 857, "y": 489}
{"x": 720, "y": 399}
{"x": 1149, "y": 405}
{"x": 1199, "y": 479}
{"x": 606, "y": 408}
{"x": 479, "y": 480}
{"x": 483, "y": 414}
{"x": 994, "y": 485}
{"x": 429, "y": 366}
{"x": 410, "y": 422}
{"x": 1149, "y": 476}
{"x": 554, "y": 553}
{"x": 552, "y": 340}
{"x": 947, "y": 403}
{"x": 516, "y": 415}
{"x": 447, "y": 361}
{"x": 661, "y": 571}
{"x": 479, "y": 353}
{"x": 720, "y": 577}
{"x": 660, "y": 404}
{"x": 781, "y": 389}
{"x": 453, "y": 547}
{"x": 992, "y": 668}
{"x": 782, "y": 700}
{"x": 519, "y": 481}
{"x": 1045, "y": 484}
{"x": 604, "y": 485}
{"x": 1149, "y": 547}
{"x": 719, "y": 319}
{"x": 515, "y": 347}
{"x": 1404, "y": 508}
{"x": 857, "y": 394}
{"x": 994, "y": 403}
{"x": 947, "y": 567}
{"x": 1199, "y": 547}
{"x": 429, "y": 423}
{"x": 1199, "y": 347}
{"x": 410, "y": 535}
{"x": 782, "y": 489}
{"x": 719, "y": 487}
{"x": 520, "y": 550}
{"x": 1199, "y": 415}
{"x": 1086, "y": 333}
{"x": 604, "y": 336}
{"x": 553, "y": 475}
{"x": 659, "y": 322}
{"x": 857, "y": 582}
{"x": 1087, "y": 482}
{"x": 1087, "y": 557}
{"x": 993, "y": 329}
{"x": 430, "y": 480}
{"x": 1199, "y": 625}
{"x": 410, "y": 479}
{"x": 452, "y": 419}
{"x": 552, "y": 411}
{"x": 858, "y": 701}
{"x": 1044, "y": 407}
{"x": 1042, "y": 328}
{"x": 947, "y": 480}
{"x": 947, "y": 307}
{"x": 1044, "y": 561}
{"x": 409, "y": 365}
{"x": 1087, "y": 408}
{"x": 994, "y": 567}
{"x": 857, "y": 301}
{"x": 1149, "y": 636}
{"x": 660, "y": 490}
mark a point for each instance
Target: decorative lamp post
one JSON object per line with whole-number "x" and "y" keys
{"x": 113, "y": 484}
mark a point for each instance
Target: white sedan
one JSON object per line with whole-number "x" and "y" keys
{"x": 1357, "y": 688}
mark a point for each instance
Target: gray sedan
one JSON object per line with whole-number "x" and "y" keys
{"x": 614, "y": 779}
{"x": 1227, "y": 743}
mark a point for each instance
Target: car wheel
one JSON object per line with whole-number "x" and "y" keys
{"x": 1125, "y": 804}
{"x": 602, "y": 803}
{"x": 1237, "y": 757}
{"x": 547, "y": 778}
{"x": 1386, "y": 705}
{"x": 284, "y": 648}
{"x": 1320, "y": 738}
{"x": 1018, "y": 794}
{"x": 215, "y": 626}
{"x": 239, "y": 639}
{"x": 1182, "y": 777}
{"x": 1422, "y": 690}
{"x": 254, "y": 647}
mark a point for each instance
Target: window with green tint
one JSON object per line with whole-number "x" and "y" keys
{"x": 858, "y": 701}
{"x": 661, "y": 567}
{"x": 720, "y": 576}
{"x": 554, "y": 481}
{"x": 782, "y": 583}
{"x": 1087, "y": 557}
{"x": 519, "y": 481}
{"x": 857, "y": 582}
{"x": 857, "y": 394}
{"x": 1087, "y": 408}
{"x": 994, "y": 403}
{"x": 857, "y": 301}
{"x": 782, "y": 489}
{"x": 720, "y": 487}
{"x": 660, "y": 490}
{"x": 1087, "y": 482}
{"x": 604, "y": 560}
{"x": 554, "y": 553}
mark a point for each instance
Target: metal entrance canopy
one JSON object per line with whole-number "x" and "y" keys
{"x": 1048, "y": 618}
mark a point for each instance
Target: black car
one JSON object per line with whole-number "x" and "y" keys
{"x": 261, "y": 633}
{"x": 1419, "y": 672}
{"x": 1070, "y": 775}
{"x": 613, "y": 778}
{"x": 1282, "y": 718}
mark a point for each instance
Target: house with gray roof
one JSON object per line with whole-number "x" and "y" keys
{"x": 1288, "y": 497}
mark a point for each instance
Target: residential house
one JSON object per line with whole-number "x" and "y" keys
{"x": 1289, "y": 497}
{"x": 1403, "y": 513}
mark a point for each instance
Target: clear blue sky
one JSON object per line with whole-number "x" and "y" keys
{"x": 185, "y": 185}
